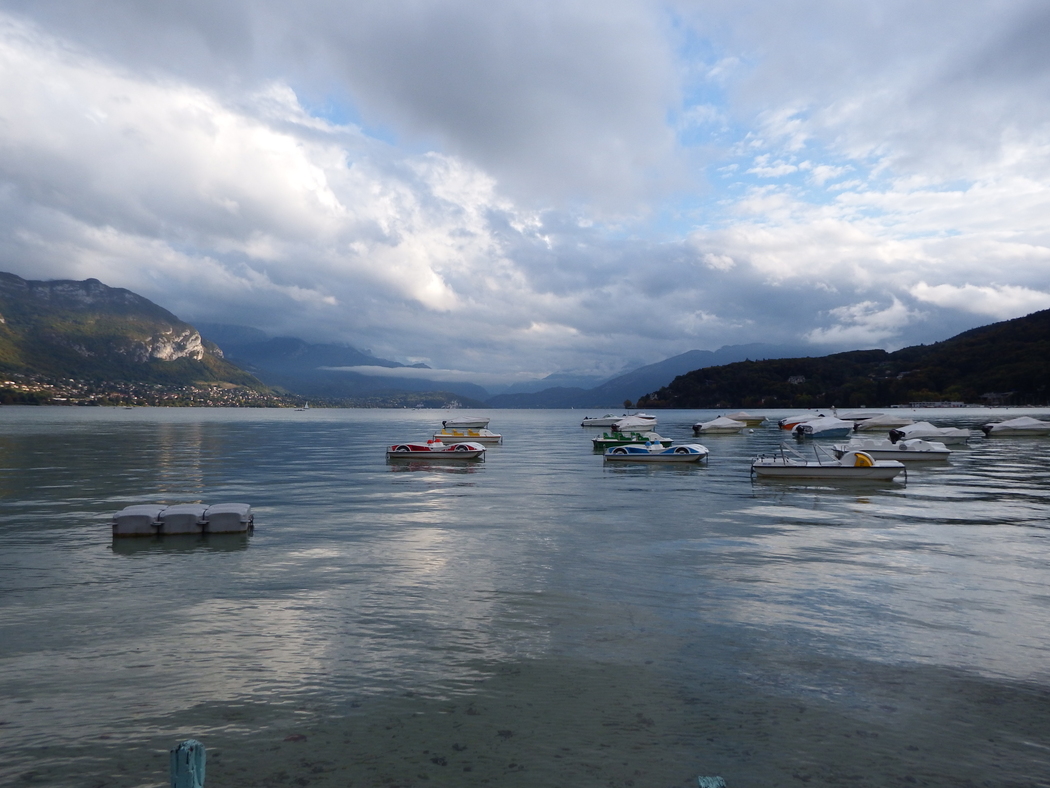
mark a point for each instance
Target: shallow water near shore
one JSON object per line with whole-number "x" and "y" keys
{"x": 533, "y": 619}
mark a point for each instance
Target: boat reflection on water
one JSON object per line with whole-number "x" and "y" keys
{"x": 651, "y": 468}
{"x": 180, "y": 543}
{"x": 443, "y": 466}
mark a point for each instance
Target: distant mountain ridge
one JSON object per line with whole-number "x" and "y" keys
{"x": 313, "y": 369}
{"x": 634, "y": 384}
{"x": 1001, "y": 363}
{"x": 85, "y": 329}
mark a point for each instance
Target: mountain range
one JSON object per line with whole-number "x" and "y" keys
{"x": 87, "y": 330}
{"x": 1005, "y": 363}
{"x": 629, "y": 386}
{"x": 315, "y": 370}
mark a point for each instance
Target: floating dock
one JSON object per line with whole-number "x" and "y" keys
{"x": 183, "y": 518}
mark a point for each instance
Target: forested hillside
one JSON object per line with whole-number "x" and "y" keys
{"x": 1003, "y": 363}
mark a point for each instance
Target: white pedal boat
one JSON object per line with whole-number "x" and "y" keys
{"x": 468, "y": 436}
{"x": 826, "y": 427}
{"x": 913, "y": 450}
{"x": 654, "y": 452}
{"x": 1023, "y": 425}
{"x": 639, "y": 422}
{"x": 466, "y": 423}
{"x": 949, "y": 436}
{"x": 603, "y": 421}
{"x": 857, "y": 466}
{"x": 435, "y": 450}
{"x": 723, "y": 425}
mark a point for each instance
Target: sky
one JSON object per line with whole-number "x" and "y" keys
{"x": 520, "y": 188}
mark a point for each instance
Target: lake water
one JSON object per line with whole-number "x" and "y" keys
{"x": 533, "y": 620}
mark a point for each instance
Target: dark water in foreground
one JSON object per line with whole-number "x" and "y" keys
{"x": 533, "y": 620}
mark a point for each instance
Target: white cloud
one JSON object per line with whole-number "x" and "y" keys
{"x": 1001, "y": 302}
{"x": 513, "y": 193}
{"x": 864, "y": 324}
{"x": 766, "y": 169}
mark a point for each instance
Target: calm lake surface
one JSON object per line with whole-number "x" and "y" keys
{"x": 533, "y": 620}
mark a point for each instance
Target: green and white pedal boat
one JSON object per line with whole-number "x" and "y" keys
{"x": 627, "y": 438}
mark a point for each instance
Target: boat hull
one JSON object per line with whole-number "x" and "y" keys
{"x": 655, "y": 458}
{"x": 881, "y": 471}
{"x": 431, "y": 456}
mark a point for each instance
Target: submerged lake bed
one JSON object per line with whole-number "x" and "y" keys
{"x": 539, "y": 618}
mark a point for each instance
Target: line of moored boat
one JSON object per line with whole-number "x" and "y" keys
{"x": 864, "y": 456}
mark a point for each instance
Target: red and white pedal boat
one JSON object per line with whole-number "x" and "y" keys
{"x": 435, "y": 450}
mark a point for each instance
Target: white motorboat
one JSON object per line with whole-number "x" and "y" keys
{"x": 466, "y": 423}
{"x": 603, "y": 421}
{"x": 469, "y": 436}
{"x": 723, "y": 425}
{"x": 747, "y": 418}
{"x": 856, "y": 416}
{"x": 435, "y": 450}
{"x": 655, "y": 452}
{"x": 913, "y": 450}
{"x": 883, "y": 422}
{"x": 639, "y": 422}
{"x": 1023, "y": 425}
{"x": 826, "y": 427}
{"x": 949, "y": 436}
{"x": 790, "y": 422}
{"x": 854, "y": 466}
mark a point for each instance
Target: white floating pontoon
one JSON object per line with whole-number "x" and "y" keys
{"x": 229, "y": 518}
{"x": 184, "y": 518}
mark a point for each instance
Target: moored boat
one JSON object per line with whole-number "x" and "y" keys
{"x": 747, "y": 418}
{"x": 601, "y": 421}
{"x": 854, "y": 466}
{"x": 435, "y": 450}
{"x": 723, "y": 425}
{"x": 466, "y": 423}
{"x": 468, "y": 436}
{"x": 1022, "y": 425}
{"x": 628, "y": 438}
{"x": 884, "y": 422}
{"x": 639, "y": 421}
{"x": 687, "y": 452}
{"x": 913, "y": 450}
{"x": 826, "y": 427}
{"x": 950, "y": 436}
{"x": 790, "y": 422}
{"x": 856, "y": 416}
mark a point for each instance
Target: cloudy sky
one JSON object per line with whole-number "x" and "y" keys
{"x": 518, "y": 188}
